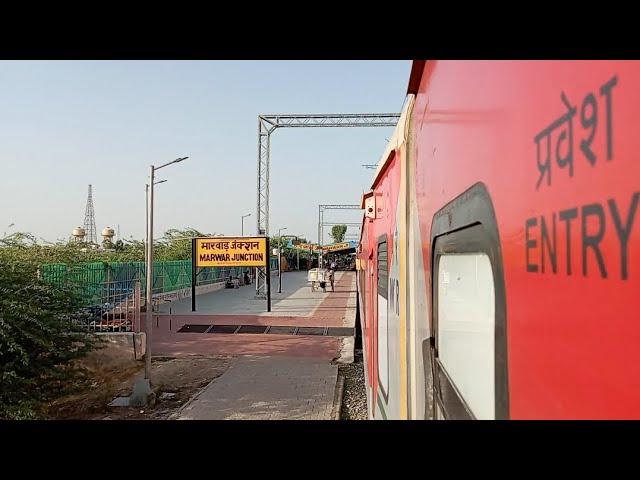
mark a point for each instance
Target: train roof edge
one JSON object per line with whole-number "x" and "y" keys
{"x": 400, "y": 132}
{"x": 397, "y": 139}
{"x": 417, "y": 67}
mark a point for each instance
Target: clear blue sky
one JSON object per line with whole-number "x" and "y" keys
{"x": 66, "y": 124}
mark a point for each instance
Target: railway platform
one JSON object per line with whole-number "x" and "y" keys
{"x": 284, "y": 361}
{"x": 268, "y": 388}
{"x": 233, "y": 322}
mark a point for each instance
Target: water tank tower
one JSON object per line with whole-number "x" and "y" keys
{"x": 107, "y": 234}
{"x": 79, "y": 234}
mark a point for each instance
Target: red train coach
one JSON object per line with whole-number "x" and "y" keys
{"x": 499, "y": 262}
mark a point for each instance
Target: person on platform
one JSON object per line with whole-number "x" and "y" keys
{"x": 332, "y": 269}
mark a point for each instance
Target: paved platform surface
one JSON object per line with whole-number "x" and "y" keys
{"x": 267, "y": 388}
{"x": 272, "y": 376}
{"x": 296, "y": 299}
{"x": 297, "y": 305}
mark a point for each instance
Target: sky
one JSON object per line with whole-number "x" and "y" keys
{"x": 67, "y": 124}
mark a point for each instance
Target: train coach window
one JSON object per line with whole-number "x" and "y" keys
{"x": 466, "y": 325}
{"x": 469, "y": 354}
{"x": 383, "y": 296}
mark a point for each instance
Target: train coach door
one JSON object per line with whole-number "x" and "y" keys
{"x": 469, "y": 311}
{"x": 372, "y": 323}
{"x": 381, "y": 290}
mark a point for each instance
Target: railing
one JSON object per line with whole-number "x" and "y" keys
{"x": 113, "y": 294}
{"x": 117, "y": 311}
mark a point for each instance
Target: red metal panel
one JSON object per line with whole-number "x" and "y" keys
{"x": 386, "y": 191}
{"x": 573, "y": 334}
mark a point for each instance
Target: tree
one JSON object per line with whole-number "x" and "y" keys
{"x": 37, "y": 340}
{"x": 24, "y": 247}
{"x": 338, "y": 232}
{"x": 176, "y": 244}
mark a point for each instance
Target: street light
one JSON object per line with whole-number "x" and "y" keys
{"x": 297, "y": 237}
{"x": 146, "y": 387}
{"x": 279, "y": 237}
{"x": 243, "y": 217}
{"x": 8, "y": 226}
{"x": 280, "y": 260}
{"x": 146, "y": 217}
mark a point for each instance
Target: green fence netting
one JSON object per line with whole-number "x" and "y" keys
{"x": 98, "y": 280}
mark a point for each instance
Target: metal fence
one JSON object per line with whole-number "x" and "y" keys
{"x": 118, "y": 310}
{"x": 113, "y": 294}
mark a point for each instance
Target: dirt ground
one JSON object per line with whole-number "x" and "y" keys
{"x": 110, "y": 374}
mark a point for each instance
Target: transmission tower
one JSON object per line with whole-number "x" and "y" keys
{"x": 90, "y": 220}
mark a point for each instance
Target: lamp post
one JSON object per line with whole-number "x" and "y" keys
{"x": 146, "y": 218}
{"x": 297, "y": 237}
{"x": 243, "y": 217}
{"x": 149, "y": 301}
{"x": 280, "y": 260}
{"x": 8, "y": 226}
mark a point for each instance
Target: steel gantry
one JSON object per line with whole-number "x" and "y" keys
{"x": 322, "y": 223}
{"x": 267, "y": 124}
{"x": 357, "y": 225}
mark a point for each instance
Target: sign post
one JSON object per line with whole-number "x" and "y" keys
{"x": 194, "y": 275}
{"x": 230, "y": 252}
{"x": 279, "y": 254}
{"x": 268, "y": 278}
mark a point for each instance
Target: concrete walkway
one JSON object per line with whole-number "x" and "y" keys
{"x": 297, "y": 306}
{"x": 273, "y": 375}
{"x": 267, "y": 388}
{"x": 296, "y": 299}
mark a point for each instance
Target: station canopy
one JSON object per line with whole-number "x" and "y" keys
{"x": 338, "y": 248}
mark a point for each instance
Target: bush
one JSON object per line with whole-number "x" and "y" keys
{"x": 38, "y": 341}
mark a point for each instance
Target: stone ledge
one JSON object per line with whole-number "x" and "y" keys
{"x": 186, "y": 292}
{"x": 130, "y": 343}
{"x": 347, "y": 345}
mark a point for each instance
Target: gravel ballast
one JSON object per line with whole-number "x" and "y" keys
{"x": 354, "y": 400}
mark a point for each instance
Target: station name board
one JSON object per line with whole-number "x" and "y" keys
{"x": 231, "y": 252}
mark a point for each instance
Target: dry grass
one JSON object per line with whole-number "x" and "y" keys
{"x": 110, "y": 372}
